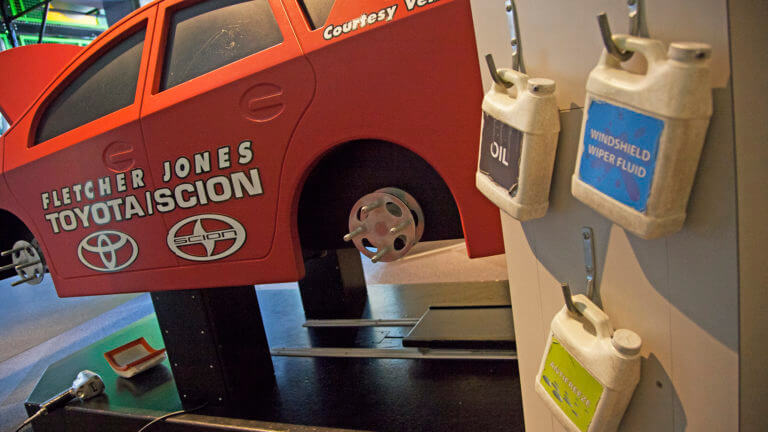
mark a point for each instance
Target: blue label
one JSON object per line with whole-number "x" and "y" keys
{"x": 619, "y": 157}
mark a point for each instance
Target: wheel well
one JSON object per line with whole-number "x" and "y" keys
{"x": 356, "y": 168}
{"x": 11, "y": 230}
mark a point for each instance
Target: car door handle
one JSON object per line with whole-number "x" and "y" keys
{"x": 263, "y": 102}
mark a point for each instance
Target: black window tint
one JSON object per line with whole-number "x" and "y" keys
{"x": 104, "y": 87}
{"x": 214, "y": 33}
{"x": 317, "y": 11}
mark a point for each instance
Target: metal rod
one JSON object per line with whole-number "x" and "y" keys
{"x": 29, "y": 264}
{"x": 14, "y": 250}
{"x": 402, "y": 322}
{"x": 357, "y": 231}
{"x": 21, "y": 281}
{"x": 380, "y": 254}
{"x": 401, "y": 226}
{"x": 43, "y": 22}
{"x": 7, "y": 267}
{"x": 397, "y": 353}
{"x": 515, "y": 41}
{"x": 634, "y": 17}
{"x": 368, "y": 207}
{"x": 589, "y": 262}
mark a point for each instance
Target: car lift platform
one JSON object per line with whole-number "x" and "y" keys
{"x": 308, "y": 393}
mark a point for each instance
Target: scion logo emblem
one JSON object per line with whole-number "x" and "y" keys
{"x": 206, "y": 237}
{"x": 107, "y": 251}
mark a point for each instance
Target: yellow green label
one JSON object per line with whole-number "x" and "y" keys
{"x": 572, "y": 388}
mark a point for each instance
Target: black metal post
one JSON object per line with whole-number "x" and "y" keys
{"x": 43, "y": 22}
{"x": 334, "y": 284}
{"x": 216, "y": 344}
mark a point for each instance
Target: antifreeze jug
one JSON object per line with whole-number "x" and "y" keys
{"x": 588, "y": 372}
{"x": 642, "y": 135}
{"x": 518, "y": 144}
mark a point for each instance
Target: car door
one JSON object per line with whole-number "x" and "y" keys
{"x": 76, "y": 161}
{"x": 229, "y": 84}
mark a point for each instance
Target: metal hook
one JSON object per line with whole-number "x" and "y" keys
{"x": 569, "y": 299}
{"x": 514, "y": 37}
{"x": 634, "y": 30}
{"x": 495, "y": 72}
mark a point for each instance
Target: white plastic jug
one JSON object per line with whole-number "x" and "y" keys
{"x": 588, "y": 372}
{"x": 518, "y": 144}
{"x": 642, "y": 135}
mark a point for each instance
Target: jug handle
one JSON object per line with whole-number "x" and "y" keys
{"x": 652, "y": 49}
{"x": 519, "y": 80}
{"x": 596, "y": 317}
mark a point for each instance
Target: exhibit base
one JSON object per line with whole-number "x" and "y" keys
{"x": 306, "y": 394}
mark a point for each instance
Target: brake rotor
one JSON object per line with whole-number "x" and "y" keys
{"x": 28, "y": 262}
{"x": 386, "y": 224}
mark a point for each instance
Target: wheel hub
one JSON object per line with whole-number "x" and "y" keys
{"x": 27, "y": 261}
{"x": 386, "y": 224}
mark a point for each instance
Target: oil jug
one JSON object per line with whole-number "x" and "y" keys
{"x": 518, "y": 144}
{"x": 588, "y": 372}
{"x": 642, "y": 135}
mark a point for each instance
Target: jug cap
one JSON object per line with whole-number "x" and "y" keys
{"x": 689, "y": 51}
{"x": 541, "y": 86}
{"x": 626, "y": 342}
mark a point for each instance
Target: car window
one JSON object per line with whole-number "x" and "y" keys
{"x": 106, "y": 86}
{"x": 208, "y": 35}
{"x": 4, "y": 125}
{"x": 316, "y": 11}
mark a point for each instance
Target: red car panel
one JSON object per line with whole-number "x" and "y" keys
{"x": 258, "y": 101}
{"x": 201, "y": 180}
{"x": 38, "y": 64}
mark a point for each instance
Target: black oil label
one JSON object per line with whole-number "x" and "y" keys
{"x": 501, "y": 145}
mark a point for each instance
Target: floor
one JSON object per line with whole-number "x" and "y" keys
{"x": 41, "y": 329}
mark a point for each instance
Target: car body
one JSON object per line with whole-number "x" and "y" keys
{"x": 176, "y": 150}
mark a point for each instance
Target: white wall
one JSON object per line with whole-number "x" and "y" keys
{"x": 561, "y": 39}
{"x": 680, "y": 293}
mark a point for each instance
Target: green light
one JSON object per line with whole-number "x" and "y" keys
{"x": 23, "y": 5}
{"x": 32, "y": 39}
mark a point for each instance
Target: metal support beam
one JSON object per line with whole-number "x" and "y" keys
{"x": 43, "y": 22}
{"x": 397, "y": 353}
{"x": 402, "y": 322}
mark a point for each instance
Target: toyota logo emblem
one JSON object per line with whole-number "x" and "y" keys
{"x": 206, "y": 237}
{"x": 107, "y": 251}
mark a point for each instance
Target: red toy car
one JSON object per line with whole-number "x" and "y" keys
{"x": 201, "y": 144}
